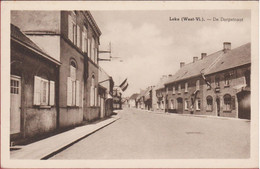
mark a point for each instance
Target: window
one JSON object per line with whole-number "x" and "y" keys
{"x": 208, "y": 83}
{"x": 173, "y": 90}
{"x": 247, "y": 78}
{"x": 227, "y": 103}
{"x": 179, "y": 88}
{"x": 44, "y": 91}
{"x": 217, "y": 81}
{"x": 172, "y": 104}
{"x": 72, "y": 29}
{"x": 73, "y": 86}
{"x": 84, "y": 40}
{"x": 198, "y": 104}
{"x": 162, "y": 105}
{"x": 186, "y": 87}
{"x": 227, "y": 80}
{"x": 92, "y": 92}
{"x": 209, "y": 103}
{"x": 93, "y": 49}
{"x": 186, "y": 104}
{"x": 198, "y": 85}
{"x": 15, "y": 86}
{"x": 78, "y": 36}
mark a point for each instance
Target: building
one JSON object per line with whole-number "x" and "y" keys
{"x": 133, "y": 100}
{"x": 34, "y": 87}
{"x": 117, "y": 98}
{"x": 213, "y": 84}
{"x": 160, "y": 94}
{"x": 71, "y": 38}
{"x": 144, "y": 100}
{"x": 105, "y": 97}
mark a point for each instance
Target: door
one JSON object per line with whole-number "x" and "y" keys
{"x": 15, "y": 109}
{"x": 218, "y": 106}
{"x": 244, "y": 106}
{"x": 179, "y": 105}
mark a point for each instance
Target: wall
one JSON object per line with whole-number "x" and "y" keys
{"x": 236, "y": 79}
{"x": 34, "y": 120}
{"x": 37, "y": 20}
{"x": 70, "y": 116}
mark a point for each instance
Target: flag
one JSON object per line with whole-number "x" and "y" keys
{"x": 123, "y": 89}
{"x": 124, "y": 85}
{"x": 207, "y": 82}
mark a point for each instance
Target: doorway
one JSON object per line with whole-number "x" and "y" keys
{"x": 15, "y": 109}
{"x": 179, "y": 105}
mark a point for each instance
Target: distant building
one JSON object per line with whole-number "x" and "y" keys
{"x": 144, "y": 100}
{"x": 217, "y": 84}
{"x": 117, "y": 99}
{"x": 133, "y": 100}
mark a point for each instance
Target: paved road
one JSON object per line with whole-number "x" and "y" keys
{"x": 149, "y": 135}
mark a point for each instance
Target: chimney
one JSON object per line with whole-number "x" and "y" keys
{"x": 182, "y": 64}
{"x": 226, "y": 46}
{"x": 203, "y": 55}
{"x": 195, "y": 59}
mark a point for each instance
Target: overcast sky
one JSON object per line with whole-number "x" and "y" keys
{"x": 151, "y": 46}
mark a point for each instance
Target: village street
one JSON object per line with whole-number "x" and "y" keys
{"x": 151, "y": 135}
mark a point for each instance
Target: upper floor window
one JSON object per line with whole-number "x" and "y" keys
{"x": 179, "y": 88}
{"x": 227, "y": 102}
{"x": 186, "y": 87}
{"x": 208, "y": 83}
{"x": 72, "y": 28}
{"x": 73, "y": 86}
{"x": 173, "y": 90}
{"x": 217, "y": 81}
{"x": 247, "y": 78}
{"x": 44, "y": 91}
{"x": 227, "y": 79}
{"x": 198, "y": 85}
{"x": 209, "y": 103}
{"x": 84, "y": 40}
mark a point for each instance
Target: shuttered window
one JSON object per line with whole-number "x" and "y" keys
{"x": 78, "y": 36}
{"x": 44, "y": 92}
{"x": 198, "y": 85}
{"x": 73, "y": 86}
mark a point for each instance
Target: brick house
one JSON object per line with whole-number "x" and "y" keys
{"x": 72, "y": 38}
{"x": 211, "y": 85}
{"x": 34, "y": 87}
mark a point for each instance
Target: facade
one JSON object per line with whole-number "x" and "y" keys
{"x": 117, "y": 99}
{"x": 159, "y": 97}
{"x": 144, "y": 100}
{"x": 105, "y": 97}
{"x": 211, "y": 85}
{"x": 34, "y": 87}
{"x": 72, "y": 39}
{"x": 132, "y": 100}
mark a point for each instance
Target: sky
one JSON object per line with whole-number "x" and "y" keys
{"x": 150, "y": 45}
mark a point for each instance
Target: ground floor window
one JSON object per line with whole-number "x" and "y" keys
{"x": 44, "y": 91}
{"x": 172, "y": 104}
{"x": 198, "y": 104}
{"x": 209, "y": 103}
{"x": 186, "y": 104}
{"x": 227, "y": 103}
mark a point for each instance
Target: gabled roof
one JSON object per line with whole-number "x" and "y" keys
{"x": 160, "y": 84}
{"x": 22, "y": 39}
{"x": 234, "y": 58}
{"x": 134, "y": 96}
{"x": 194, "y": 69}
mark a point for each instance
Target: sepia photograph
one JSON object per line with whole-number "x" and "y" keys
{"x": 132, "y": 84}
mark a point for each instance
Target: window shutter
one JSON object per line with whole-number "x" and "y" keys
{"x": 37, "y": 92}
{"x": 47, "y": 92}
{"x": 70, "y": 28}
{"x": 77, "y": 93}
{"x": 69, "y": 91}
{"x": 52, "y": 93}
{"x": 89, "y": 48}
{"x": 78, "y": 36}
{"x": 83, "y": 42}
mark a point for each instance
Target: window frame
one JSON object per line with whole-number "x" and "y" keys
{"x": 198, "y": 104}
{"x": 186, "y": 87}
{"x": 209, "y": 107}
{"x": 227, "y": 104}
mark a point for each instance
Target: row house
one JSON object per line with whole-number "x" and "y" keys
{"x": 159, "y": 96}
{"x": 70, "y": 39}
{"x": 144, "y": 100}
{"x": 213, "y": 84}
{"x": 105, "y": 95}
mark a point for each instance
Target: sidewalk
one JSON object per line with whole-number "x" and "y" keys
{"x": 47, "y": 147}
{"x": 194, "y": 115}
